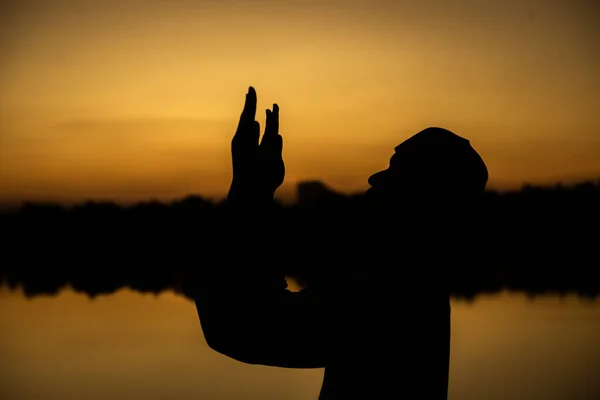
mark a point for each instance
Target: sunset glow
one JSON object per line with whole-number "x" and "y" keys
{"x": 139, "y": 99}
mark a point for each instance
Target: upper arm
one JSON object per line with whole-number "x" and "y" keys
{"x": 245, "y": 311}
{"x": 283, "y": 329}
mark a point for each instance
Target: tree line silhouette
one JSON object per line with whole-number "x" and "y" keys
{"x": 537, "y": 240}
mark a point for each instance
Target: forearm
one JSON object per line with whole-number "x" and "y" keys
{"x": 274, "y": 327}
{"x": 248, "y": 194}
{"x": 243, "y": 305}
{"x": 248, "y": 240}
{"x": 245, "y": 310}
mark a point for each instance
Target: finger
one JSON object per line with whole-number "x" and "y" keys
{"x": 276, "y": 118}
{"x": 255, "y": 133}
{"x": 249, "y": 111}
{"x": 272, "y": 126}
{"x": 268, "y": 124}
{"x": 277, "y": 147}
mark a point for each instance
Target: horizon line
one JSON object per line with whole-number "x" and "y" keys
{"x": 288, "y": 196}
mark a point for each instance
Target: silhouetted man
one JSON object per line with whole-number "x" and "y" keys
{"x": 381, "y": 331}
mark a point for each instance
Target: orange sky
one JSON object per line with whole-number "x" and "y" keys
{"x": 128, "y": 100}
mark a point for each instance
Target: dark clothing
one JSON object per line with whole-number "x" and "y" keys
{"x": 384, "y": 333}
{"x": 375, "y": 336}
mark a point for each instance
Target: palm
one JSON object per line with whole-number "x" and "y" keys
{"x": 258, "y": 168}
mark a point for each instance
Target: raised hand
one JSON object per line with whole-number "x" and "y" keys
{"x": 258, "y": 168}
{"x": 271, "y": 168}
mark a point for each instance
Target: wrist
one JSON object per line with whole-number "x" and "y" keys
{"x": 253, "y": 196}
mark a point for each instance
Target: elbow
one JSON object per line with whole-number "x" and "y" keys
{"x": 253, "y": 351}
{"x": 230, "y": 344}
{"x": 234, "y": 350}
{"x": 225, "y": 337}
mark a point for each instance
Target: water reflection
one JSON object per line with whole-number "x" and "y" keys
{"x": 135, "y": 346}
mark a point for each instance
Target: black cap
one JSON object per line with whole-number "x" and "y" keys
{"x": 435, "y": 160}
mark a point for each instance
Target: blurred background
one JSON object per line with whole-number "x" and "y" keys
{"x": 131, "y": 101}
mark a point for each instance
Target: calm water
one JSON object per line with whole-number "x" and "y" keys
{"x": 134, "y": 346}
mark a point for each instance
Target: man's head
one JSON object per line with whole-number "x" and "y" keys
{"x": 433, "y": 166}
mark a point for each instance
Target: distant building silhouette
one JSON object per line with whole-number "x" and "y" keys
{"x": 310, "y": 192}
